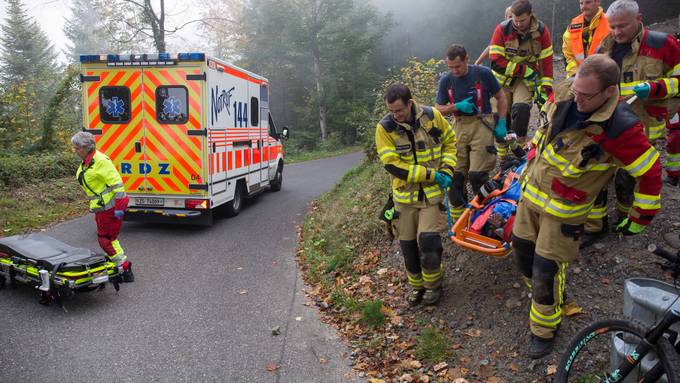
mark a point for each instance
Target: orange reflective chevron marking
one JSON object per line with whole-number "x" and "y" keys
{"x": 131, "y": 81}
{"x": 130, "y": 154}
{"x": 224, "y": 162}
{"x": 115, "y": 153}
{"x": 137, "y": 181}
{"x": 194, "y": 92}
{"x": 158, "y": 153}
{"x": 230, "y": 161}
{"x": 155, "y": 184}
{"x": 171, "y": 141}
{"x": 171, "y": 184}
{"x": 93, "y": 105}
{"x": 116, "y": 78}
{"x": 117, "y": 140}
{"x": 166, "y": 146}
{"x": 192, "y": 84}
{"x": 239, "y": 159}
{"x": 93, "y": 86}
{"x": 177, "y": 174}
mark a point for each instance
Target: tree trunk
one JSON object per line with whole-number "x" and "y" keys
{"x": 316, "y": 54}
{"x": 157, "y": 24}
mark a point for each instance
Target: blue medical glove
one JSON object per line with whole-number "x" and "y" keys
{"x": 119, "y": 214}
{"x": 501, "y": 129}
{"x": 443, "y": 180}
{"x": 465, "y": 106}
{"x": 642, "y": 90}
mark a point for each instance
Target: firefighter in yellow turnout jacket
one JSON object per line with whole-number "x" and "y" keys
{"x": 588, "y": 135}
{"x": 650, "y": 70}
{"x": 418, "y": 148}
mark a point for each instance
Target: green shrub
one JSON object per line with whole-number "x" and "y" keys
{"x": 371, "y": 313}
{"x": 20, "y": 170}
{"x": 432, "y": 346}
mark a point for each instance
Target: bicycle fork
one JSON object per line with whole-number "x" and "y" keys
{"x": 648, "y": 342}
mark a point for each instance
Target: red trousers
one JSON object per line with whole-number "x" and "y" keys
{"x": 108, "y": 228}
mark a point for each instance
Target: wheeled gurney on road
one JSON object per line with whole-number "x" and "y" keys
{"x": 56, "y": 269}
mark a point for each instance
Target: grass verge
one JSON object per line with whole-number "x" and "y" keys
{"x": 432, "y": 346}
{"x": 29, "y": 208}
{"x": 293, "y": 156}
{"x": 342, "y": 246}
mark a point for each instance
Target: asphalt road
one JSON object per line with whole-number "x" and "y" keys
{"x": 201, "y": 309}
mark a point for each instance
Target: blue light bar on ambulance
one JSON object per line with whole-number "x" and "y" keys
{"x": 142, "y": 59}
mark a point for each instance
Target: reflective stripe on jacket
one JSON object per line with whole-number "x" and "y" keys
{"x": 572, "y": 40}
{"x": 654, "y": 58}
{"x": 567, "y": 169}
{"x": 413, "y": 155}
{"x": 101, "y": 182}
{"x": 508, "y": 50}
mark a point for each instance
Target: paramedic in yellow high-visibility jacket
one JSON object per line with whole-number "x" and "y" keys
{"x": 102, "y": 184}
{"x": 418, "y": 148}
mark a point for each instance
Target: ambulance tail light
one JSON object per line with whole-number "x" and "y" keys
{"x": 196, "y": 204}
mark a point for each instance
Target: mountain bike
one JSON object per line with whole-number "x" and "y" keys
{"x": 626, "y": 350}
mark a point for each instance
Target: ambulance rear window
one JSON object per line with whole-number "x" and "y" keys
{"x": 171, "y": 105}
{"x": 114, "y": 104}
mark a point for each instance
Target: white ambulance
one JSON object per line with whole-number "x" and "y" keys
{"x": 188, "y": 133}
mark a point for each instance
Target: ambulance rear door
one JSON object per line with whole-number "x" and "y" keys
{"x": 174, "y": 140}
{"x": 113, "y": 113}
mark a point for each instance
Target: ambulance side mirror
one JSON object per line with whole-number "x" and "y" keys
{"x": 284, "y": 132}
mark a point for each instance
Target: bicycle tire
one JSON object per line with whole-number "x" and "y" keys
{"x": 623, "y": 329}
{"x": 669, "y": 357}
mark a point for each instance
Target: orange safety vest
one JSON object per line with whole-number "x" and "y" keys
{"x": 576, "y": 36}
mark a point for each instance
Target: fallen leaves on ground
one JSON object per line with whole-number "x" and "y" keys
{"x": 552, "y": 369}
{"x": 271, "y": 366}
{"x": 472, "y": 333}
{"x": 571, "y": 308}
{"x": 411, "y": 364}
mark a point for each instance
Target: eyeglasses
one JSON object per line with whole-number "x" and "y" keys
{"x": 397, "y": 111}
{"x": 584, "y": 96}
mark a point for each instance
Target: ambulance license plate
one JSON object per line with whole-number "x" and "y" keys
{"x": 148, "y": 201}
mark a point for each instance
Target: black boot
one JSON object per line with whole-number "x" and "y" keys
{"x": 539, "y": 347}
{"x": 431, "y": 297}
{"x": 127, "y": 275}
{"x": 588, "y": 239}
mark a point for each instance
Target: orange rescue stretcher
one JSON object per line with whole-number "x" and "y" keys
{"x": 462, "y": 232}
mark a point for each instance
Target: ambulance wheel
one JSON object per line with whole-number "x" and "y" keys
{"x": 233, "y": 207}
{"x": 277, "y": 182}
{"x": 2, "y": 282}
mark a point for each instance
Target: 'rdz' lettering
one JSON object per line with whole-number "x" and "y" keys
{"x": 164, "y": 168}
{"x": 144, "y": 168}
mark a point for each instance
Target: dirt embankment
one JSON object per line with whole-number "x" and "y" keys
{"x": 484, "y": 312}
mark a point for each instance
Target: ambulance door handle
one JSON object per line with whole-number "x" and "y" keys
{"x": 214, "y": 147}
{"x": 138, "y": 147}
